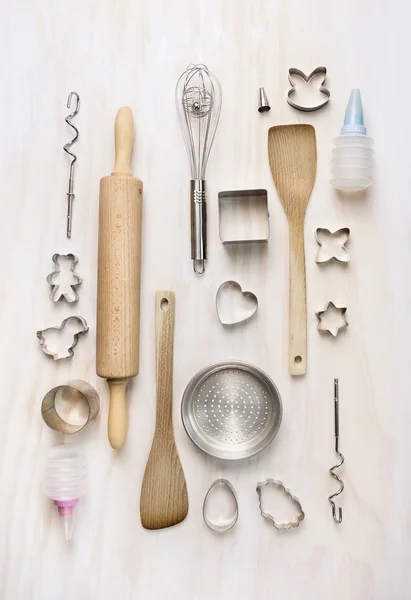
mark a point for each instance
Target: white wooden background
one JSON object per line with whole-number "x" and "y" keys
{"x": 132, "y": 52}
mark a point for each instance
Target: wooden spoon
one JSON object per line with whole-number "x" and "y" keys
{"x": 292, "y": 153}
{"x": 164, "y": 500}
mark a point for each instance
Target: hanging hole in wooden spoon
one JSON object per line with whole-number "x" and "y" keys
{"x": 298, "y": 359}
{"x": 164, "y": 304}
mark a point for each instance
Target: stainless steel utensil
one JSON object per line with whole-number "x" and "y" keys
{"x": 340, "y": 456}
{"x": 198, "y": 101}
{"x": 231, "y": 410}
{"x": 66, "y": 148}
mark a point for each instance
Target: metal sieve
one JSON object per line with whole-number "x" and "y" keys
{"x": 231, "y": 410}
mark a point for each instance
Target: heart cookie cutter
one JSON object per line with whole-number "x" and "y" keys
{"x": 329, "y": 248}
{"x": 322, "y": 89}
{"x": 233, "y": 305}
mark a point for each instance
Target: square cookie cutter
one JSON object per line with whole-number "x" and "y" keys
{"x": 243, "y": 216}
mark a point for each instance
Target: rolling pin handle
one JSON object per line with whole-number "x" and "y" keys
{"x": 123, "y": 136}
{"x": 117, "y": 415}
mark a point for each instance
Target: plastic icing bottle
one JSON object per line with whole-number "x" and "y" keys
{"x": 351, "y": 162}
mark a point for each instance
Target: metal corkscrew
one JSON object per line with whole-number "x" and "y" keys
{"x": 341, "y": 457}
{"x": 70, "y": 193}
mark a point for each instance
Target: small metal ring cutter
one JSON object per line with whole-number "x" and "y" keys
{"x": 67, "y": 408}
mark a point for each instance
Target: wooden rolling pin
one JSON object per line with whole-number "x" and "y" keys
{"x": 118, "y": 286}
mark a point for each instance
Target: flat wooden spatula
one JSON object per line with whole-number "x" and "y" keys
{"x": 292, "y": 152}
{"x": 164, "y": 500}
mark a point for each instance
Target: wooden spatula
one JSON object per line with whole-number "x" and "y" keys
{"x": 292, "y": 153}
{"x": 164, "y": 500}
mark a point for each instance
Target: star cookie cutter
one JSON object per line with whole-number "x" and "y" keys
{"x": 42, "y": 336}
{"x": 322, "y": 89}
{"x": 332, "y": 245}
{"x": 66, "y": 290}
{"x": 279, "y": 484}
{"x": 331, "y": 307}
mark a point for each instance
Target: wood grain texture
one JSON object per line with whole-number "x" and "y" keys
{"x": 133, "y": 53}
{"x": 292, "y": 153}
{"x": 119, "y": 268}
{"x": 164, "y": 500}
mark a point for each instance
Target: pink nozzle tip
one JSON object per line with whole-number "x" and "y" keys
{"x": 66, "y": 507}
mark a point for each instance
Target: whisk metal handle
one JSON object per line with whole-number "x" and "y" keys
{"x": 198, "y": 225}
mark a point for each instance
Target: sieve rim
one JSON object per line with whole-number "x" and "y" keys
{"x": 204, "y": 442}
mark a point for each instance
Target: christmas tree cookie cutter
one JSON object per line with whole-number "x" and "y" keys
{"x": 64, "y": 281}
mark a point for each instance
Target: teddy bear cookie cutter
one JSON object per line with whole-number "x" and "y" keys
{"x": 63, "y": 280}
{"x": 323, "y": 90}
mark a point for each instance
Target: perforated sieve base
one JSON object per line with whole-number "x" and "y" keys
{"x": 231, "y": 410}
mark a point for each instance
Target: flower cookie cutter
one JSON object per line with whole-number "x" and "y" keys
{"x": 332, "y": 245}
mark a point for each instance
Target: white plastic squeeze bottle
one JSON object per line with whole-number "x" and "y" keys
{"x": 351, "y": 162}
{"x": 65, "y": 482}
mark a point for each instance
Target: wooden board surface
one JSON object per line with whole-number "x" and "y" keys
{"x": 132, "y": 53}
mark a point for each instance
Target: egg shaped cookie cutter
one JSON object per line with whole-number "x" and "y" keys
{"x": 219, "y": 525}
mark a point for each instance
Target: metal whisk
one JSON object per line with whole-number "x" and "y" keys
{"x": 70, "y": 193}
{"x": 341, "y": 457}
{"x": 198, "y": 100}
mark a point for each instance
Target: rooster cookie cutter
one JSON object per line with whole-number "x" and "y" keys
{"x": 279, "y": 484}
{"x": 69, "y": 293}
{"x": 42, "y": 335}
{"x": 322, "y": 89}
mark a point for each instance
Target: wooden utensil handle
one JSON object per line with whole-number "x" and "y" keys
{"x": 117, "y": 415}
{"x": 165, "y": 309}
{"x": 123, "y": 139}
{"x": 298, "y": 305}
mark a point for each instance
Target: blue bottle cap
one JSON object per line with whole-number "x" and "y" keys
{"x": 354, "y": 117}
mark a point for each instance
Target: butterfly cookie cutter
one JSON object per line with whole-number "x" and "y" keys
{"x": 297, "y": 504}
{"x": 332, "y": 245}
{"x": 303, "y": 76}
